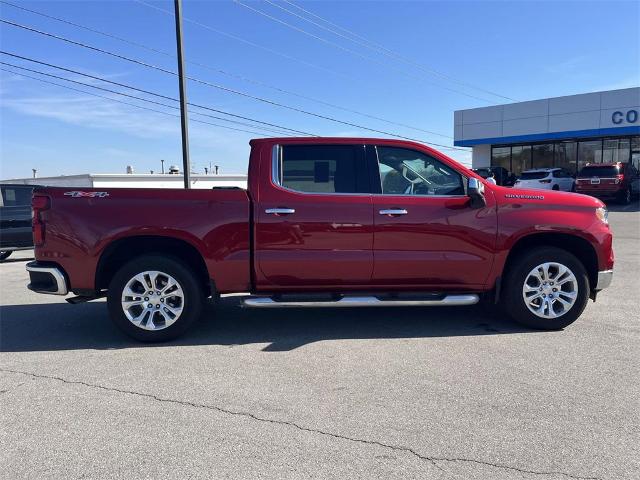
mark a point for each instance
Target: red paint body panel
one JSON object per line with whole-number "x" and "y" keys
{"x": 215, "y": 222}
{"x": 333, "y": 242}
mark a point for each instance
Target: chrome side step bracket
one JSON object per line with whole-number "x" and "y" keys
{"x": 370, "y": 301}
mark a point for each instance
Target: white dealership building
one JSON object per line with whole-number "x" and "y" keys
{"x": 134, "y": 180}
{"x": 566, "y": 132}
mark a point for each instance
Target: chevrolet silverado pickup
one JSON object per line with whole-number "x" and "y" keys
{"x": 324, "y": 222}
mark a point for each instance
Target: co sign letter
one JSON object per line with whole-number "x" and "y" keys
{"x": 618, "y": 117}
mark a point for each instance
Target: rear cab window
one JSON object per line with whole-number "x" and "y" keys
{"x": 324, "y": 169}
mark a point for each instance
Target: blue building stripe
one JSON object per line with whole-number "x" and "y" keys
{"x": 539, "y": 137}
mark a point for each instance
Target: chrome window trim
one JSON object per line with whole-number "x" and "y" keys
{"x": 276, "y": 169}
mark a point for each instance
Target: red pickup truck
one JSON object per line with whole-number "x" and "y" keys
{"x": 324, "y": 222}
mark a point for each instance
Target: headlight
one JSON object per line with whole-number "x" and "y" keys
{"x": 603, "y": 214}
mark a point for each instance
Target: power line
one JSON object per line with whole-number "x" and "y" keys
{"x": 226, "y": 89}
{"x": 116, "y": 100}
{"x": 245, "y": 41}
{"x": 377, "y": 47}
{"x": 97, "y": 87}
{"x": 147, "y": 92}
{"x": 220, "y": 71}
{"x": 355, "y": 53}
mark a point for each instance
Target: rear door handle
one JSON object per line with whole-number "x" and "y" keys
{"x": 280, "y": 211}
{"x": 393, "y": 211}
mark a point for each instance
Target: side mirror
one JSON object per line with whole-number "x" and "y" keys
{"x": 475, "y": 191}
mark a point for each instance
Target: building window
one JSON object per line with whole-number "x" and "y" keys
{"x": 543, "y": 155}
{"x": 615, "y": 150}
{"x": 565, "y": 156}
{"x": 589, "y": 152}
{"x": 520, "y": 159}
{"x": 635, "y": 152}
{"x": 501, "y": 157}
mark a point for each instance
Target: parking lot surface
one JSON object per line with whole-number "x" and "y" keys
{"x": 343, "y": 393}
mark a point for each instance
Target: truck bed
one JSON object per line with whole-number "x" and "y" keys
{"x": 82, "y": 222}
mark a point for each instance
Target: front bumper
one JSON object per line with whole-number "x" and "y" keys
{"x": 47, "y": 278}
{"x": 604, "y": 279}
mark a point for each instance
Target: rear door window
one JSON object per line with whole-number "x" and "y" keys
{"x": 323, "y": 169}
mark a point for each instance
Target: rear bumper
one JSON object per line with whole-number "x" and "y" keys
{"x": 604, "y": 279}
{"x": 47, "y": 278}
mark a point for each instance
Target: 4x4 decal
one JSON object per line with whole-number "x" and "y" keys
{"x": 79, "y": 194}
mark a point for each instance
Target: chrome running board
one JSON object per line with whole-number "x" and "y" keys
{"x": 371, "y": 301}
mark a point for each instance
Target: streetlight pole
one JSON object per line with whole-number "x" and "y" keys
{"x": 186, "y": 166}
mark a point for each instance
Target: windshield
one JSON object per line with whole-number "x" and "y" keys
{"x": 533, "y": 175}
{"x": 596, "y": 171}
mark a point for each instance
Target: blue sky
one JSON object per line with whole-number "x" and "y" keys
{"x": 457, "y": 51}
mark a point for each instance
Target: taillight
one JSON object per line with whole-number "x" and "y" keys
{"x": 547, "y": 180}
{"x": 39, "y": 203}
{"x": 619, "y": 178}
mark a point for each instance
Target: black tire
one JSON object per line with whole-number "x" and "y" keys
{"x": 556, "y": 188}
{"x": 517, "y": 274}
{"x": 625, "y": 196}
{"x": 193, "y": 297}
{"x": 4, "y": 254}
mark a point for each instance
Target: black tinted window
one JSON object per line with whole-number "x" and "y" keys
{"x": 324, "y": 169}
{"x": 16, "y": 196}
{"x": 596, "y": 171}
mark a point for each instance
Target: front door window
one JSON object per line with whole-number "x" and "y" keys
{"x": 408, "y": 172}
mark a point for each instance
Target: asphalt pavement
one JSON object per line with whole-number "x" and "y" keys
{"x": 440, "y": 393}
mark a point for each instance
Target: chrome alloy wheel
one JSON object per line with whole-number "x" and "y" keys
{"x": 152, "y": 300}
{"x": 550, "y": 290}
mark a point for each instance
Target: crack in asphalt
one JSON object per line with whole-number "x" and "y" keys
{"x": 431, "y": 459}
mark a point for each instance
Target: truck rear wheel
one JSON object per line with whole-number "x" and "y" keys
{"x": 546, "y": 288}
{"x": 154, "y": 298}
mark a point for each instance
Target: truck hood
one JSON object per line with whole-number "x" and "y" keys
{"x": 506, "y": 195}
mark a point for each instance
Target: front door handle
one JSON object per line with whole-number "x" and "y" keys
{"x": 280, "y": 211}
{"x": 393, "y": 211}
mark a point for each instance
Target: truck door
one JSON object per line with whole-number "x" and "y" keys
{"x": 426, "y": 233}
{"x": 314, "y": 218}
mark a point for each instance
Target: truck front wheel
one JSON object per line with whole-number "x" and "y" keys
{"x": 546, "y": 288}
{"x": 154, "y": 298}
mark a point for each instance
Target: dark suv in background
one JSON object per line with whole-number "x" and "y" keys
{"x": 618, "y": 181}
{"x": 502, "y": 175}
{"x": 15, "y": 219}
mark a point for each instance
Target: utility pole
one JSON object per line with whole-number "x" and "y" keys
{"x": 186, "y": 166}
